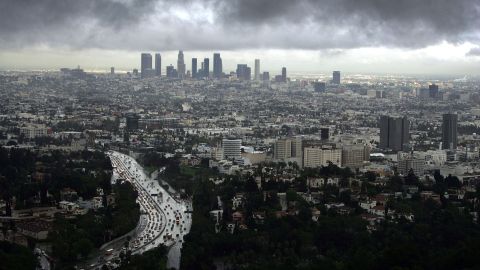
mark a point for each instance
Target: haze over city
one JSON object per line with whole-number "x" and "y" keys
{"x": 400, "y": 37}
{"x": 239, "y": 134}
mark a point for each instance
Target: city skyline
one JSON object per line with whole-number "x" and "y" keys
{"x": 303, "y": 62}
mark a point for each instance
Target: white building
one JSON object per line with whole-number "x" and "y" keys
{"x": 320, "y": 156}
{"x": 231, "y": 148}
{"x": 288, "y": 150}
{"x": 433, "y": 157}
{"x": 354, "y": 156}
{"x": 417, "y": 165}
{"x": 321, "y": 182}
{"x": 33, "y": 131}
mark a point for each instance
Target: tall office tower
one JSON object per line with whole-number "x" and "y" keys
{"x": 244, "y": 72}
{"x": 257, "y": 69}
{"x": 284, "y": 74}
{"x": 112, "y": 70}
{"x": 266, "y": 76}
{"x": 194, "y": 67}
{"x": 433, "y": 91}
{"x": 248, "y": 74}
{"x": 394, "y": 132}
{"x": 146, "y": 64}
{"x": 180, "y": 65}
{"x": 231, "y": 148}
{"x": 324, "y": 133}
{"x": 206, "y": 68}
{"x": 336, "y": 77}
{"x": 217, "y": 66}
{"x": 449, "y": 134}
{"x": 158, "y": 65}
{"x": 320, "y": 86}
{"x": 171, "y": 72}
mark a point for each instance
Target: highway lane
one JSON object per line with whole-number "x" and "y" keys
{"x": 164, "y": 220}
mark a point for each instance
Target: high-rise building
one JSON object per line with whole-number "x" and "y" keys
{"x": 180, "y": 65}
{"x": 244, "y": 72}
{"x": 411, "y": 163}
{"x": 433, "y": 91}
{"x": 319, "y": 86}
{"x": 288, "y": 150}
{"x": 217, "y": 66}
{"x": 324, "y": 133}
{"x": 206, "y": 68}
{"x": 282, "y": 149}
{"x": 132, "y": 121}
{"x": 257, "y": 70}
{"x": 171, "y": 72}
{"x": 297, "y": 148}
{"x": 266, "y": 76}
{"x": 353, "y": 156}
{"x": 284, "y": 74}
{"x": 145, "y": 65}
{"x": 394, "y": 132}
{"x": 158, "y": 65}
{"x": 248, "y": 73}
{"x": 314, "y": 156}
{"x": 194, "y": 68}
{"x": 336, "y": 77}
{"x": 231, "y": 148}
{"x": 112, "y": 70}
{"x": 449, "y": 134}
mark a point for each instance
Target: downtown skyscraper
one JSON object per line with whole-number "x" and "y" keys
{"x": 206, "y": 68}
{"x": 181, "y": 65}
{"x": 244, "y": 72}
{"x": 194, "y": 68}
{"x": 158, "y": 65}
{"x": 433, "y": 91}
{"x": 217, "y": 66}
{"x": 145, "y": 64}
{"x": 257, "y": 69}
{"x": 336, "y": 77}
{"x": 284, "y": 74}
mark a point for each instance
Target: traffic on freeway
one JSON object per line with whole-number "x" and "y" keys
{"x": 165, "y": 218}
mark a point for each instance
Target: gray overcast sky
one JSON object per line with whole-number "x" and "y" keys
{"x": 402, "y": 36}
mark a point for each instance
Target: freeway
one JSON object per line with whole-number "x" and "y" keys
{"x": 165, "y": 218}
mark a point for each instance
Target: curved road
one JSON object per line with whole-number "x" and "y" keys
{"x": 163, "y": 221}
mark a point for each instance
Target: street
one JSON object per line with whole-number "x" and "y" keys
{"x": 163, "y": 221}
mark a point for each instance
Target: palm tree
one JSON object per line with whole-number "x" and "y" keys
{"x": 6, "y": 195}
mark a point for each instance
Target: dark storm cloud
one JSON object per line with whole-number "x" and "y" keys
{"x": 24, "y": 15}
{"x": 64, "y": 21}
{"x": 301, "y": 24}
{"x": 474, "y": 52}
{"x": 399, "y": 23}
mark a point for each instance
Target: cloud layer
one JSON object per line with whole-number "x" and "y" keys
{"x": 236, "y": 24}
